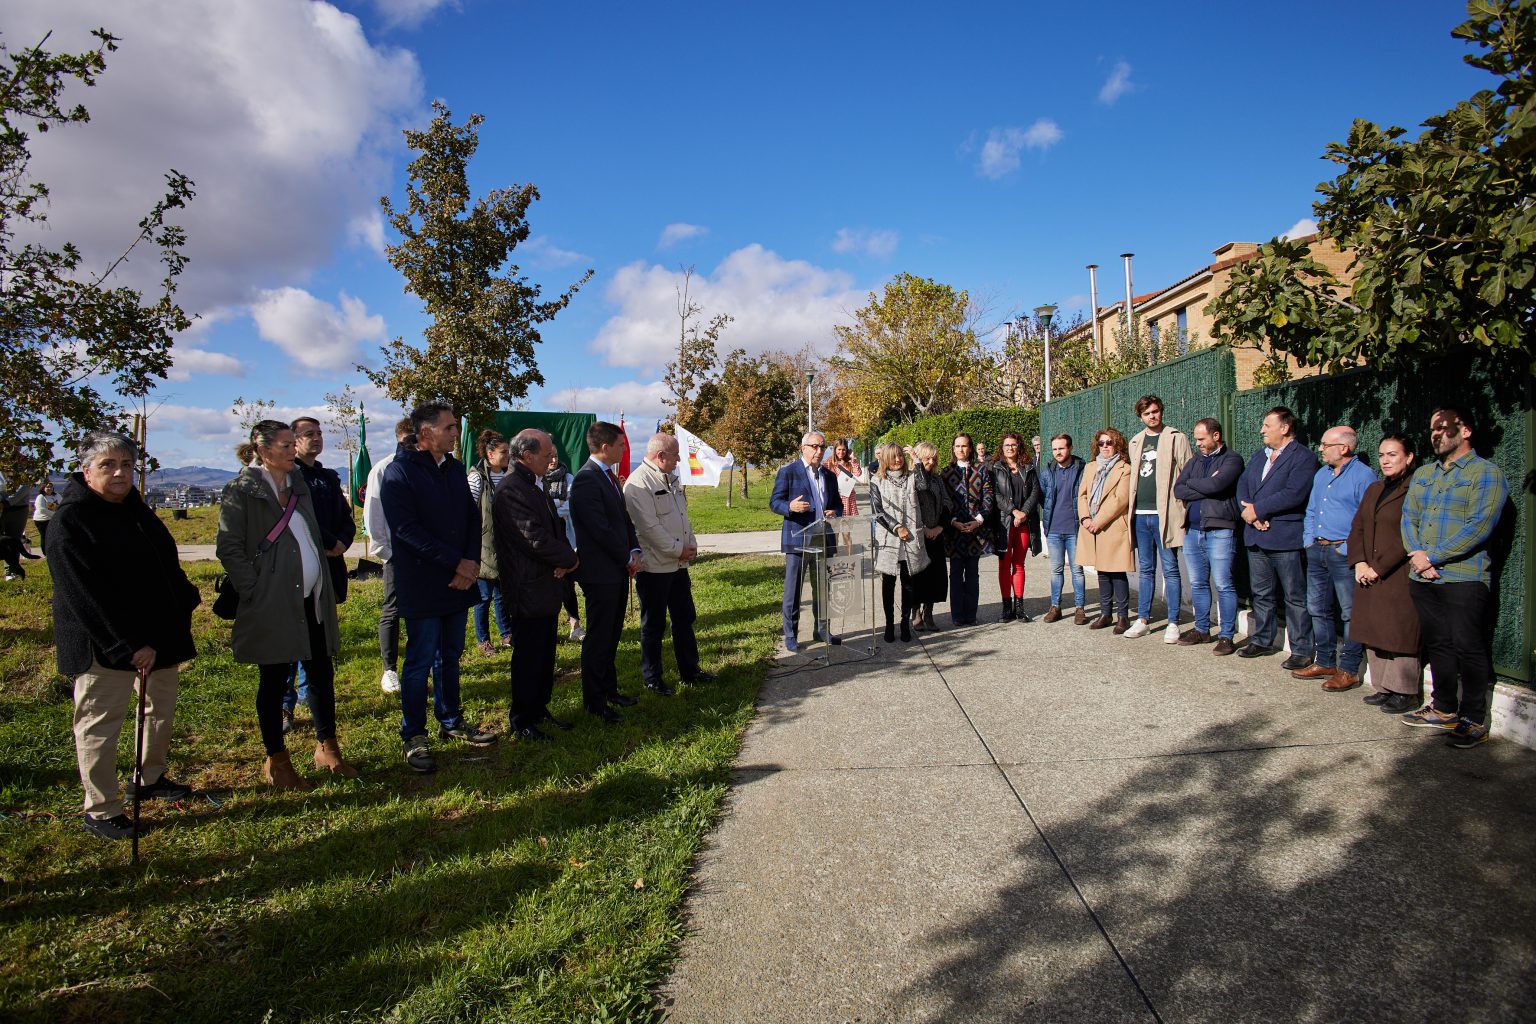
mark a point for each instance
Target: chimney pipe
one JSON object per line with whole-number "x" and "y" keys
{"x": 1129, "y": 298}
{"x": 1093, "y": 303}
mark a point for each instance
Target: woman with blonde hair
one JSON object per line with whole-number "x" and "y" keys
{"x": 1104, "y": 531}
{"x": 899, "y": 549}
{"x": 269, "y": 544}
{"x": 931, "y": 585}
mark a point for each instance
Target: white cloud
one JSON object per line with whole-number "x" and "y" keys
{"x": 674, "y": 233}
{"x": 367, "y": 229}
{"x": 778, "y": 304}
{"x": 541, "y": 252}
{"x": 1000, "y": 153}
{"x": 1302, "y": 228}
{"x": 1117, "y": 84}
{"x": 201, "y": 361}
{"x": 641, "y": 403}
{"x": 311, "y": 331}
{"x": 880, "y": 244}
{"x": 281, "y": 111}
{"x": 410, "y": 13}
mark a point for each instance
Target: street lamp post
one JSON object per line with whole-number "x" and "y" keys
{"x": 1044, "y": 314}
{"x": 810, "y": 376}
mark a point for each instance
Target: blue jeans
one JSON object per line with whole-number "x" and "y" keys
{"x": 431, "y": 646}
{"x": 1063, "y": 548}
{"x": 490, "y": 593}
{"x": 1149, "y": 545}
{"x": 1330, "y": 581}
{"x": 298, "y": 686}
{"x": 1209, "y": 554}
{"x": 1268, "y": 570}
{"x": 964, "y": 588}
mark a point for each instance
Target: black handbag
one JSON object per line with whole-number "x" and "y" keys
{"x": 227, "y": 603}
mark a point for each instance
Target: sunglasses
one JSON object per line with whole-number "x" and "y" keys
{"x": 1106, "y": 444}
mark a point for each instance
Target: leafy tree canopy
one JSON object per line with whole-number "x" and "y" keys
{"x": 73, "y": 349}
{"x": 1443, "y": 229}
{"x": 454, "y": 252}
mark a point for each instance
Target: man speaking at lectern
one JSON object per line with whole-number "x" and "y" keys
{"x": 804, "y": 492}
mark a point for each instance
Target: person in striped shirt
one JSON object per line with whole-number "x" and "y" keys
{"x": 1452, "y": 508}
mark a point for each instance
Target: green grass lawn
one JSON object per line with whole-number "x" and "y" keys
{"x": 520, "y": 883}
{"x": 708, "y": 514}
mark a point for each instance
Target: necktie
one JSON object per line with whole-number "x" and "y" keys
{"x": 614, "y": 479}
{"x": 818, "y": 503}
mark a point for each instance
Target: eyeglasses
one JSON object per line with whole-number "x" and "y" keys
{"x": 1332, "y": 444}
{"x": 818, "y": 447}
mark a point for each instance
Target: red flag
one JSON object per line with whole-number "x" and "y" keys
{"x": 623, "y": 468}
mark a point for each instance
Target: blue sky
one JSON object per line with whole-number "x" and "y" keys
{"x": 796, "y": 155}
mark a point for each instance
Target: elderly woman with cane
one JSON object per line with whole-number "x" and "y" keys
{"x": 122, "y": 614}
{"x": 269, "y": 543}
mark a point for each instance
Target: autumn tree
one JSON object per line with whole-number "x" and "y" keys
{"x": 692, "y": 379}
{"x": 1442, "y": 229}
{"x": 759, "y": 421}
{"x": 73, "y": 348}
{"x": 912, "y": 351}
{"x": 455, "y": 253}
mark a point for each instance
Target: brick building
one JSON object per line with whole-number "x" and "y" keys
{"x": 1177, "y": 313}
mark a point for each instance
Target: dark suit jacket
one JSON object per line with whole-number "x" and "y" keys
{"x": 1281, "y": 498}
{"x": 604, "y": 535}
{"x": 794, "y": 481}
{"x": 530, "y": 546}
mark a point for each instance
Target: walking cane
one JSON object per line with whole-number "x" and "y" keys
{"x": 138, "y": 762}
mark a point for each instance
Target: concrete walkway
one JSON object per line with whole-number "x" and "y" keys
{"x": 1045, "y": 823}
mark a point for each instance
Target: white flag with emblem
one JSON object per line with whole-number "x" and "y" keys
{"x": 698, "y": 464}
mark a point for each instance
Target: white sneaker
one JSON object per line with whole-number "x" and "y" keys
{"x": 577, "y": 633}
{"x": 1171, "y": 634}
{"x": 389, "y": 682}
{"x": 1138, "y": 628}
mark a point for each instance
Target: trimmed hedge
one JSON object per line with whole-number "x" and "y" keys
{"x": 985, "y": 426}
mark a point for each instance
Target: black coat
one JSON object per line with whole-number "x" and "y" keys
{"x": 434, "y": 524}
{"x": 1011, "y": 492}
{"x": 604, "y": 535}
{"x": 530, "y": 546}
{"x": 1212, "y": 481}
{"x": 333, "y": 513}
{"x": 117, "y": 583}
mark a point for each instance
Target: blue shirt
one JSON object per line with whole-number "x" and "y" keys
{"x": 1334, "y": 502}
{"x": 1064, "y": 510}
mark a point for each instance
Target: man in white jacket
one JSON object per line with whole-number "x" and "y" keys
{"x": 654, "y": 500}
{"x": 378, "y": 536}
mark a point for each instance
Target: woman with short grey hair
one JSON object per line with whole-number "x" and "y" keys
{"x": 122, "y": 606}
{"x": 931, "y": 585}
{"x": 269, "y": 544}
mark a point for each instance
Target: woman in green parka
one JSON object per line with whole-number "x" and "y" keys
{"x": 287, "y": 609}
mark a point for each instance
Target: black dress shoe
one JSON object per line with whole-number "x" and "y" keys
{"x": 1397, "y": 703}
{"x": 660, "y": 689}
{"x": 1296, "y": 661}
{"x": 533, "y": 734}
{"x": 558, "y": 724}
{"x": 621, "y": 700}
{"x": 1255, "y": 651}
{"x": 1378, "y": 698}
{"x": 607, "y": 714}
{"x": 702, "y": 677}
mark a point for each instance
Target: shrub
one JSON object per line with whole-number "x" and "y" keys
{"x": 985, "y": 426}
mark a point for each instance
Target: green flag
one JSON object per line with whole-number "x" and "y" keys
{"x": 362, "y": 463}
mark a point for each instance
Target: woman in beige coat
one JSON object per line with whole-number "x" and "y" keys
{"x": 1104, "y": 531}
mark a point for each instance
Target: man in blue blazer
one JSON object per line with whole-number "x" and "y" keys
{"x": 804, "y": 492}
{"x": 1272, "y": 495}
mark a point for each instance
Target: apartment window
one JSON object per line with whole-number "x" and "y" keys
{"x": 1181, "y": 317}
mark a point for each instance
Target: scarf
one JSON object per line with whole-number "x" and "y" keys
{"x": 1100, "y": 478}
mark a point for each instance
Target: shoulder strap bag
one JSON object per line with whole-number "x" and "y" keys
{"x": 227, "y": 603}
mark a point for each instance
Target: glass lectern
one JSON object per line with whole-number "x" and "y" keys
{"x": 837, "y": 582}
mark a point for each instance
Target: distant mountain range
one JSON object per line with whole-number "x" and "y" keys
{"x": 198, "y": 476}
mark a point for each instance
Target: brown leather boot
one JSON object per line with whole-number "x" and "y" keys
{"x": 328, "y": 756}
{"x": 279, "y": 774}
{"x": 1052, "y": 614}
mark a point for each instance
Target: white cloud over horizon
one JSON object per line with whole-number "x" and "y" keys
{"x": 312, "y": 332}
{"x": 284, "y": 115}
{"x": 641, "y": 402}
{"x": 1000, "y": 153}
{"x": 680, "y": 232}
{"x": 1117, "y": 84}
{"x": 777, "y": 304}
{"x": 1302, "y": 228}
{"x": 543, "y": 253}
{"x": 880, "y": 244}
{"x": 410, "y": 13}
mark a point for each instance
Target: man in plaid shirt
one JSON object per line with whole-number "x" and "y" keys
{"x": 1449, "y": 515}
